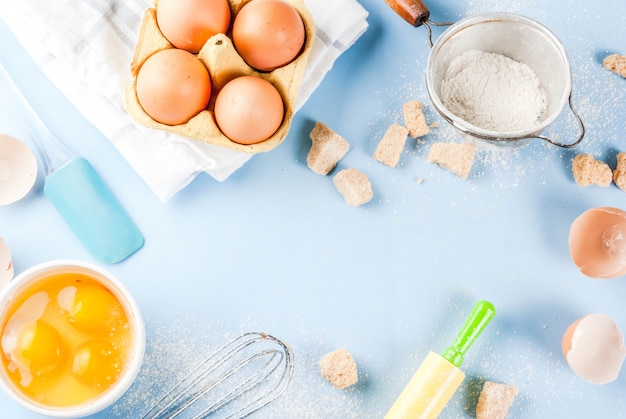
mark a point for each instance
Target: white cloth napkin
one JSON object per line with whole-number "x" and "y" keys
{"x": 85, "y": 47}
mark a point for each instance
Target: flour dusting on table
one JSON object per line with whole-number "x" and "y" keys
{"x": 176, "y": 345}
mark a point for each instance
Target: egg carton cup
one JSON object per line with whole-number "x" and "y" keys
{"x": 223, "y": 64}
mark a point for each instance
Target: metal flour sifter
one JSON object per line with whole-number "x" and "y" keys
{"x": 517, "y": 37}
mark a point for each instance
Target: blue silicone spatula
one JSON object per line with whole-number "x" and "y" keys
{"x": 74, "y": 187}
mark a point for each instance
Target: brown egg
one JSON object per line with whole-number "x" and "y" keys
{"x": 173, "y": 86}
{"x": 249, "y": 110}
{"x": 189, "y": 24}
{"x": 594, "y": 348}
{"x": 597, "y": 242}
{"x": 268, "y": 34}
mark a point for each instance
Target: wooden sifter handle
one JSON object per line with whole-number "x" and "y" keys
{"x": 413, "y": 11}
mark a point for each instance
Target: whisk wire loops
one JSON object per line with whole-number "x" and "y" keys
{"x": 239, "y": 378}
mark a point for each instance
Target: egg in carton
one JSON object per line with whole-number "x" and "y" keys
{"x": 223, "y": 64}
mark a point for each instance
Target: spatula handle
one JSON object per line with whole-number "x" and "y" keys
{"x": 413, "y": 11}
{"x": 92, "y": 211}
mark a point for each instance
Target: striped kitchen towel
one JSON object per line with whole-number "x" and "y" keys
{"x": 85, "y": 48}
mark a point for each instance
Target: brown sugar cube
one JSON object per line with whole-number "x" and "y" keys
{"x": 354, "y": 186}
{"x": 616, "y": 63}
{"x": 339, "y": 369}
{"x": 390, "y": 147}
{"x": 494, "y": 400}
{"x": 619, "y": 174}
{"x": 456, "y": 158}
{"x": 414, "y": 118}
{"x": 589, "y": 171}
{"x": 327, "y": 149}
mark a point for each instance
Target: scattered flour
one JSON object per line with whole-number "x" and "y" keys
{"x": 175, "y": 346}
{"x": 493, "y": 92}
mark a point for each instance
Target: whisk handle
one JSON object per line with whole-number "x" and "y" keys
{"x": 413, "y": 11}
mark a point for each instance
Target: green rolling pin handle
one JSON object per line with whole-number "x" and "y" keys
{"x": 479, "y": 318}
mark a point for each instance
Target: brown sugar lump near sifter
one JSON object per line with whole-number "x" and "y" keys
{"x": 589, "y": 171}
{"x": 390, "y": 147}
{"x": 495, "y": 400}
{"x": 339, "y": 369}
{"x": 616, "y": 63}
{"x": 619, "y": 174}
{"x": 327, "y": 149}
{"x": 457, "y": 158}
{"x": 354, "y": 186}
{"x": 414, "y": 118}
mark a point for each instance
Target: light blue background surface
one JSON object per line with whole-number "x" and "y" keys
{"x": 275, "y": 248}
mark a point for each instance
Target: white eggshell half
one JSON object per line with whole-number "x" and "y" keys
{"x": 6, "y": 265}
{"x": 18, "y": 170}
{"x": 597, "y": 352}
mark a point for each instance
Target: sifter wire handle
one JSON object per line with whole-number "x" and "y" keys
{"x": 581, "y": 125}
{"x": 497, "y": 140}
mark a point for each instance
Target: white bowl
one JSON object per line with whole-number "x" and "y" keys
{"x": 135, "y": 356}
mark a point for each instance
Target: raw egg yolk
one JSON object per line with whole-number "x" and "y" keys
{"x": 97, "y": 363}
{"x": 38, "y": 347}
{"x": 95, "y": 310}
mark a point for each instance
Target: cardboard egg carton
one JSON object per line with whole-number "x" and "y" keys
{"x": 224, "y": 64}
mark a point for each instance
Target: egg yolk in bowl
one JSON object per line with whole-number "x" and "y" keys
{"x": 65, "y": 340}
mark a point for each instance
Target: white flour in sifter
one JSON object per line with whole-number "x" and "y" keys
{"x": 493, "y": 92}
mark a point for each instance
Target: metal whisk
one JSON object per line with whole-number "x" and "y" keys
{"x": 239, "y": 378}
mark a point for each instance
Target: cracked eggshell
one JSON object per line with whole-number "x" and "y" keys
{"x": 6, "y": 265}
{"x": 597, "y": 242}
{"x": 594, "y": 348}
{"x": 18, "y": 170}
